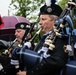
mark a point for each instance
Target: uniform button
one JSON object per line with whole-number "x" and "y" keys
{"x": 41, "y": 64}
{"x": 36, "y": 68}
{"x": 32, "y": 71}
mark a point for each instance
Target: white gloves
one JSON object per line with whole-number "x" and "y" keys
{"x": 44, "y": 50}
{"x": 1, "y": 67}
{"x": 69, "y": 48}
{"x": 75, "y": 45}
{"x": 28, "y": 44}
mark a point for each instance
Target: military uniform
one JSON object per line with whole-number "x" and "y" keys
{"x": 56, "y": 59}
{"x": 7, "y": 67}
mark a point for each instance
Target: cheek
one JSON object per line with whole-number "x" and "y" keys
{"x": 50, "y": 25}
{"x": 45, "y": 24}
{"x": 21, "y": 35}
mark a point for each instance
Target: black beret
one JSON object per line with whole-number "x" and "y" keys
{"x": 22, "y": 25}
{"x": 52, "y": 10}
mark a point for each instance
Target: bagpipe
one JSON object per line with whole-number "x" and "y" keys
{"x": 31, "y": 58}
{"x": 61, "y": 25}
{"x": 26, "y": 52}
{"x": 7, "y": 68}
{"x": 8, "y": 47}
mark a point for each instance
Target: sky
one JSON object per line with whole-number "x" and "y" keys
{"x": 4, "y": 6}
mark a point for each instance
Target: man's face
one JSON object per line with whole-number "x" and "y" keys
{"x": 19, "y": 33}
{"x": 46, "y": 23}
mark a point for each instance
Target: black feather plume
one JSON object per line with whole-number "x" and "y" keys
{"x": 53, "y": 2}
{"x": 49, "y": 2}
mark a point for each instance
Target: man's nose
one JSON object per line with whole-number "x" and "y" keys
{"x": 15, "y": 33}
{"x": 40, "y": 22}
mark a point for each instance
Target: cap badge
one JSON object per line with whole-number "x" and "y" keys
{"x": 49, "y": 10}
{"x": 27, "y": 26}
{"x": 22, "y": 26}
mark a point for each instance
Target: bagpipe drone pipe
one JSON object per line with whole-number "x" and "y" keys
{"x": 23, "y": 53}
{"x": 7, "y": 68}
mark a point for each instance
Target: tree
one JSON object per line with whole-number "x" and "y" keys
{"x": 62, "y": 3}
{"x": 26, "y": 7}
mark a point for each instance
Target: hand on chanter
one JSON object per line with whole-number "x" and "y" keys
{"x": 28, "y": 44}
{"x": 21, "y": 73}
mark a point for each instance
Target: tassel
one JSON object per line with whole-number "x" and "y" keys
{"x": 69, "y": 48}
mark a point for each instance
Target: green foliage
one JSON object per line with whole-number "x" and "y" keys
{"x": 62, "y": 3}
{"x": 37, "y": 38}
{"x": 25, "y": 7}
